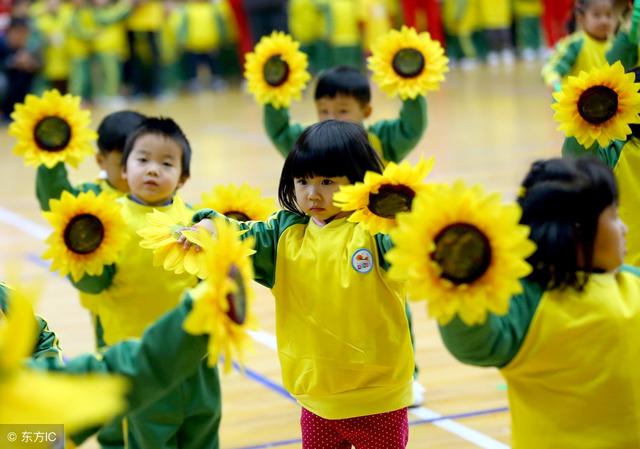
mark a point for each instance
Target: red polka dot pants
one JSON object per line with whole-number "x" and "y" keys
{"x": 382, "y": 431}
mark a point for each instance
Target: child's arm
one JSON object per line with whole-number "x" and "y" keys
{"x": 562, "y": 61}
{"x": 266, "y": 235}
{"x": 282, "y": 133}
{"x": 400, "y": 136}
{"x": 623, "y": 50}
{"x": 609, "y": 155}
{"x": 498, "y": 340}
{"x": 95, "y": 284}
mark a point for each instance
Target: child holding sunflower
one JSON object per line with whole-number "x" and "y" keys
{"x": 135, "y": 292}
{"x": 344, "y": 93}
{"x": 567, "y": 346}
{"x": 344, "y": 348}
{"x": 51, "y": 182}
{"x": 586, "y": 48}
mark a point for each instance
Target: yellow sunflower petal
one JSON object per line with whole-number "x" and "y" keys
{"x": 51, "y": 129}
{"x": 242, "y": 203}
{"x": 89, "y": 232}
{"x": 598, "y": 106}
{"x": 230, "y": 275}
{"x": 407, "y": 63}
{"x": 377, "y": 200}
{"x": 478, "y": 278}
{"x": 276, "y": 70}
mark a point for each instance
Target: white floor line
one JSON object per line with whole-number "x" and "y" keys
{"x": 269, "y": 341}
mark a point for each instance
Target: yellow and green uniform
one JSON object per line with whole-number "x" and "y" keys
{"x": 50, "y": 183}
{"x": 494, "y": 14}
{"x": 623, "y": 157}
{"x": 460, "y": 20}
{"x": 155, "y": 364}
{"x": 307, "y": 26}
{"x": 53, "y": 28}
{"x": 202, "y": 27}
{"x": 81, "y": 33}
{"x": 146, "y": 16}
{"x": 392, "y": 139}
{"x": 342, "y": 31}
{"x": 134, "y": 294}
{"x": 342, "y": 333}
{"x": 573, "y": 54}
{"x": 571, "y": 360}
{"x": 144, "y": 26}
{"x": 528, "y": 26}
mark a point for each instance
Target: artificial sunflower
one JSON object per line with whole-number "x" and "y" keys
{"x": 78, "y": 402}
{"x": 598, "y": 105}
{"x": 276, "y": 70}
{"x": 242, "y": 203}
{"x": 88, "y": 233}
{"x": 162, "y": 236}
{"x": 222, "y": 303}
{"x": 408, "y": 63}
{"x": 378, "y": 199}
{"x": 463, "y": 250}
{"x": 51, "y": 129}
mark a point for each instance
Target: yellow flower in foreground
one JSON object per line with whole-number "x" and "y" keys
{"x": 88, "y": 233}
{"x": 78, "y": 402}
{"x": 463, "y": 251}
{"x": 276, "y": 70}
{"x": 242, "y": 203}
{"x": 408, "y": 63}
{"x": 162, "y": 236}
{"x": 378, "y": 199}
{"x": 598, "y": 105}
{"x": 222, "y": 303}
{"x": 51, "y": 129}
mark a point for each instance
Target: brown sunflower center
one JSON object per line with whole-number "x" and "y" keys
{"x": 237, "y": 215}
{"x": 52, "y": 134}
{"x": 238, "y": 300}
{"x": 390, "y": 200}
{"x": 463, "y": 253}
{"x": 598, "y": 104}
{"x": 84, "y": 234}
{"x": 408, "y": 62}
{"x": 275, "y": 71}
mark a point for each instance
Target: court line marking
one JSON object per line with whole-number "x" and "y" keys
{"x": 479, "y": 439}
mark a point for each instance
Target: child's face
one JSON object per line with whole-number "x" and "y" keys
{"x": 609, "y": 244}
{"x": 154, "y": 169}
{"x": 599, "y": 19}
{"x": 315, "y": 196}
{"x": 110, "y": 163}
{"x": 343, "y": 108}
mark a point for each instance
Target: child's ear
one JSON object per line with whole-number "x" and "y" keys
{"x": 367, "y": 110}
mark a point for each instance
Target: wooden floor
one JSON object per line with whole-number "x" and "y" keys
{"x": 485, "y": 126}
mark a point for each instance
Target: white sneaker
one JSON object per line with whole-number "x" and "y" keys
{"x": 418, "y": 394}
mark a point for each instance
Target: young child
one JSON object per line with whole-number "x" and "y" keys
{"x": 155, "y": 163}
{"x": 586, "y": 48}
{"x": 567, "y": 347}
{"x": 51, "y": 182}
{"x": 343, "y": 337}
{"x": 343, "y": 93}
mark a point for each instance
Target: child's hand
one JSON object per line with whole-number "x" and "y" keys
{"x": 205, "y": 224}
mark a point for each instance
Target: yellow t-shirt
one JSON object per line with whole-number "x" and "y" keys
{"x": 575, "y": 382}
{"x": 148, "y": 15}
{"x": 53, "y": 27}
{"x": 202, "y": 28}
{"x": 627, "y": 172}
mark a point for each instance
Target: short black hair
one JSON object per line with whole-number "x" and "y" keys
{"x": 561, "y": 202}
{"x": 115, "y": 128}
{"x": 330, "y": 149}
{"x": 165, "y": 127}
{"x": 581, "y": 6}
{"x": 344, "y": 80}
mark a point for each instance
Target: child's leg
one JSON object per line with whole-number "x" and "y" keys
{"x": 111, "y": 72}
{"x": 320, "y": 433}
{"x": 382, "y": 431}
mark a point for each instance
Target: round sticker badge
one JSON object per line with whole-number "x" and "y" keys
{"x": 362, "y": 260}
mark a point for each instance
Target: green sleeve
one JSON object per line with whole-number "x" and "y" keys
{"x": 498, "y": 340}
{"x": 281, "y": 132}
{"x": 47, "y": 347}
{"x": 384, "y": 244}
{"x": 51, "y": 182}
{"x": 95, "y": 284}
{"x": 401, "y": 135}
{"x": 266, "y": 235}
{"x": 112, "y": 14}
{"x": 623, "y": 50}
{"x": 221, "y": 25}
{"x": 562, "y": 61}
{"x": 630, "y": 269}
{"x": 609, "y": 155}
{"x": 77, "y": 29}
{"x": 160, "y": 360}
